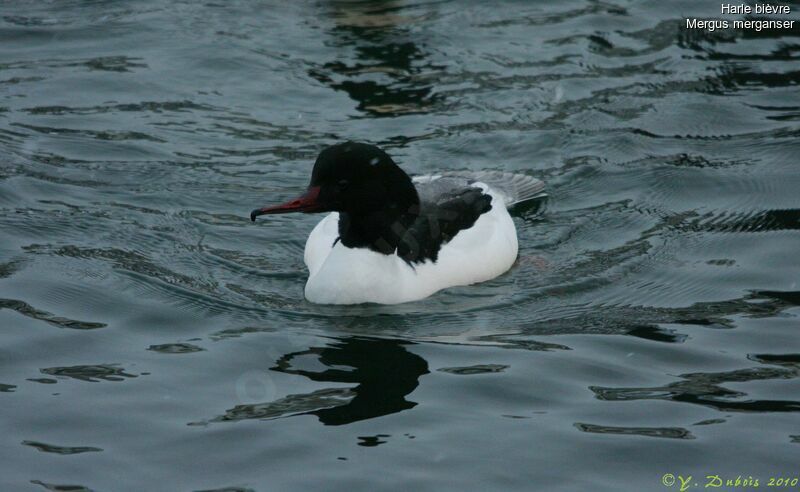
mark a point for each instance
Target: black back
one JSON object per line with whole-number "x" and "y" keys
{"x": 379, "y": 207}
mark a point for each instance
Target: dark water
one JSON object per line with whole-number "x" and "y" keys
{"x": 154, "y": 339}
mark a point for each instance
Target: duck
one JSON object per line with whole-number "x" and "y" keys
{"x": 389, "y": 238}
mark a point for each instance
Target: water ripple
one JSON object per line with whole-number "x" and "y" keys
{"x": 90, "y": 373}
{"x": 26, "y": 309}
{"x": 52, "y": 448}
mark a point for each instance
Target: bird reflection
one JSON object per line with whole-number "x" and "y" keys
{"x": 385, "y": 76}
{"x": 383, "y": 371}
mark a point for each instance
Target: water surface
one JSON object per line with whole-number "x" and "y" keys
{"x": 154, "y": 338}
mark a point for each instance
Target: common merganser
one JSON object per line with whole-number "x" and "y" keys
{"x": 392, "y": 239}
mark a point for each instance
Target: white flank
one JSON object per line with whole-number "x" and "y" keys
{"x": 342, "y": 275}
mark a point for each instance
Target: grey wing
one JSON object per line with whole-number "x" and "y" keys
{"x": 438, "y": 188}
{"x": 515, "y": 188}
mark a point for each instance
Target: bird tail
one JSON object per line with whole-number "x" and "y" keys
{"x": 515, "y": 188}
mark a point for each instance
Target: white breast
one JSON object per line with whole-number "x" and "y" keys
{"x": 342, "y": 275}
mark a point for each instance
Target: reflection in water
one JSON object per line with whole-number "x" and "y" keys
{"x": 385, "y": 76}
{"x": 667, "y": 432}
{"x": 52, "y": 448}
{"x": 706, "y": 389}
{"x": 476, "y": 369}
{"x": 89, "y": 373}
{"x": 657, "y": 334}
{"x": 383, "y": 370}
{"x": 61, "y": 487}
{"x": 26, "y": 309}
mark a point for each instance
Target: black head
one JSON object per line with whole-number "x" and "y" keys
{"x": 355, "y": 178}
